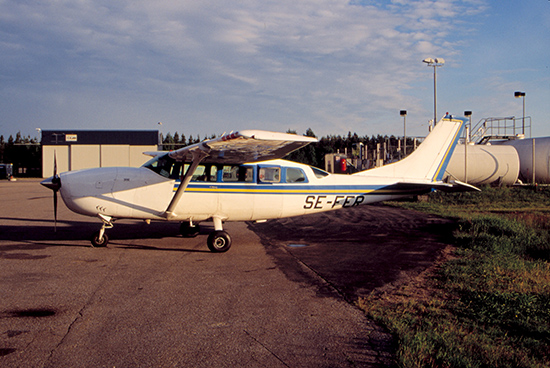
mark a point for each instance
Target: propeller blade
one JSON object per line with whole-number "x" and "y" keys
{"x": 55, "y": 211}
{"x": 53, "y": 183}
{"x": 55, "y": 192}
{"x": 54, "y": 163}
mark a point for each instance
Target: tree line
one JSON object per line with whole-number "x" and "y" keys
{"x": 314, "y": 153}
{"x": 25, "y": 153}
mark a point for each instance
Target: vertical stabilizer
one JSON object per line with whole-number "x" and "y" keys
{"x": 430, "y": 159}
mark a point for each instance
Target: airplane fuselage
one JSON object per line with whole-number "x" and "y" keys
{"x": 248, "y": 192}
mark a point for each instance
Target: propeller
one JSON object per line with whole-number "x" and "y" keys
{"x": 53, "y": 183}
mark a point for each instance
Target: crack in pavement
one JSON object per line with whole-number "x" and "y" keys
{"x": 266, "y": 348}
{"x": 80, "y": 313}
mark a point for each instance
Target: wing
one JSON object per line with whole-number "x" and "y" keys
{"x": 244, "y": 146}
{"x": 238, "y": 147}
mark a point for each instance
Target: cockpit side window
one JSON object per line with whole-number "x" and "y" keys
{"x": 207, "y": 172}
{"x": 234, "y": 173}
{"x": 230, "y": 173}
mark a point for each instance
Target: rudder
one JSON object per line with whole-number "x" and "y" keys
{"x": 429, "y": 161}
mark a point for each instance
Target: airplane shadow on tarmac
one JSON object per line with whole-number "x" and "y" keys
{"x": 351, "y": 251}
{"x": 39, "y": 234}
{"x": 357, "y": 250}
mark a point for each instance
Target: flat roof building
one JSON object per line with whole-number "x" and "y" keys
{"x": 83, "y": 149}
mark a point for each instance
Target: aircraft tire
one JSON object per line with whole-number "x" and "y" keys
{"x": 188, "y": 231}
{"x": 95, "y": 240}
{"x": 219, "y": 242}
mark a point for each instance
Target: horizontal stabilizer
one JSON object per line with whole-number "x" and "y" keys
{"x": 458, "y": 186}
{"x": 416, "y": 188}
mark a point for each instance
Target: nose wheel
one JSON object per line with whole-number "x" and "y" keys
{"x": 99, "y": 238}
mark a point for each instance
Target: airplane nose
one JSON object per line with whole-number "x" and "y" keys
{"x": 53, "y": 183}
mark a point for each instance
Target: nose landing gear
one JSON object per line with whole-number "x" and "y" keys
{"x": 99, "y": 238}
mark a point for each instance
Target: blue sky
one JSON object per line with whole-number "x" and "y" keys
{"x": 205, "y": 67}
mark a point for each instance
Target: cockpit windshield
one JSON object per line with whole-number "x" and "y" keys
{"x": 165, "y": 166}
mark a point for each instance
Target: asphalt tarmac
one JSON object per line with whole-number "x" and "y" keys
{"x": 282, "y": 296}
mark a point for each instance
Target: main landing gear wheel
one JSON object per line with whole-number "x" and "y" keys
{"x": 219, "y": 241}
{"x": 189, "y": 231}
{"x": 98, "y": 241}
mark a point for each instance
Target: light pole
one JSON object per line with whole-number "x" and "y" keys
{"x": 435, "y": 63}
{"x": 403, "y": 113}
{"x": 161, "y": 142}
{"x": 468, "y": 114}
{"x": 518, "y": 94}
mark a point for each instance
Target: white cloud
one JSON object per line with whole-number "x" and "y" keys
{"x": 275, "y": 62}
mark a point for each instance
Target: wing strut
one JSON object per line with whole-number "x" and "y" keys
{"x": 198, "y": 156}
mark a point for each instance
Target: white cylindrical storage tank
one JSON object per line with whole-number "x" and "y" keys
{"x": 486, "y": 164}
{"x": 524, "y": 148}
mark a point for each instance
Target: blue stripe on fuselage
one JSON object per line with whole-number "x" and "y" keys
{"x": 285, "y": 189}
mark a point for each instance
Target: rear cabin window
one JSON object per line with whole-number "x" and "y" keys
{"x": 319, "y": 173}
{"x": 294, "y": 175}
{"x": 269, "y": 174}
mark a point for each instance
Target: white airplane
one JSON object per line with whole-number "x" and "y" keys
{"x": 240, "y": 177}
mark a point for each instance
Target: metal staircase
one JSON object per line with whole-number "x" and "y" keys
{"x": 500, "y": 129}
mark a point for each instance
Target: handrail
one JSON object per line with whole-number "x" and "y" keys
{"x": 500, "y": 128}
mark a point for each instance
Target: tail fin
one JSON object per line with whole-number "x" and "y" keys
{"x": 429, "y": 161}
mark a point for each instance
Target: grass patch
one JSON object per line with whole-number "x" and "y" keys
{"x": 488, "y": 305}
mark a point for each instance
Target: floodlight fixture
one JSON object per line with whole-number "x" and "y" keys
{"x": 403, "y": 113}
{"x": 437, "y": 62}
{"x": 434, "y": 62}
{"x": 519, "y": 94}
